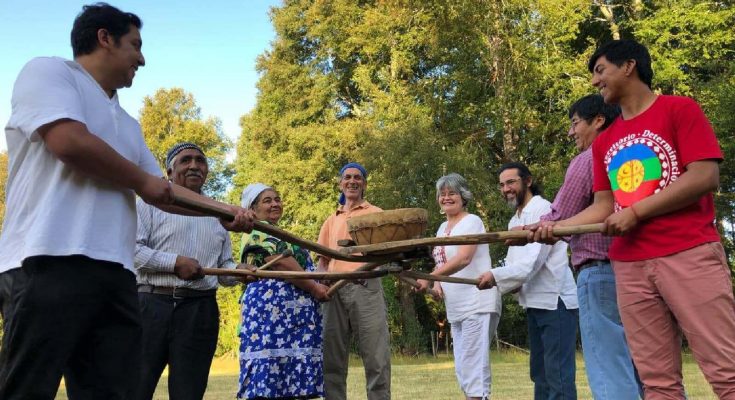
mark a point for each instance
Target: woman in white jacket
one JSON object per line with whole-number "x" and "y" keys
{"x": 473, "y": 314}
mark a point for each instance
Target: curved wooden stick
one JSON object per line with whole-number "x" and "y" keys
{"x": 363, "y": 268}
{"x": 440, "y": 278}
{"x": 287, "y": 253}
{"x": 327, "y": 276}
{"x": 189, "y": 200}
{"x": 489, "y": 237}
{"x": 412, "y": 282}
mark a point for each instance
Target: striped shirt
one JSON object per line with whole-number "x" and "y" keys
{"x": 574, "y": 196}
{"x": 162, "y": 236}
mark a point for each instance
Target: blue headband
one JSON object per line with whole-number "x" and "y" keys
{"x": 342, "y": 171}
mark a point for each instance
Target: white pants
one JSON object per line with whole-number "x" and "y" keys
{"x": 471, "y": 338}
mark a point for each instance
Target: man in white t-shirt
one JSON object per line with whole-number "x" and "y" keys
{"x": 546, "y": 289}
{"x": 76, "y": 161}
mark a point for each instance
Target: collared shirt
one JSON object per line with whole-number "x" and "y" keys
{"x": 574, "y": 196}
{"x": 163, "y": 236}
{"x": 541, "y": 270}
{"x": 51, "y": 208}
{"x": 335, "y": 228}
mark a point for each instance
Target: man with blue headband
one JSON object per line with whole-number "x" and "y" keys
{"x": 359, "y": 304}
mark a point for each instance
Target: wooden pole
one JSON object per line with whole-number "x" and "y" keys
{"x": 363, "y": 268}
{"x": 329, "y": 276}
{"x": 412, "y": 282}
{"x": 189, "y": 200}
{"x": 490, "y": 237}
{"x": 440, "y": 278}
{"x": 287, "y": 253}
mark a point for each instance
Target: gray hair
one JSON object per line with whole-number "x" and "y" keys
{"x": 456, "y": 182}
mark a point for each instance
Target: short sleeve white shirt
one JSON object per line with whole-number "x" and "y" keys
{"x": 50, "y": 208}
{"x": 463, "y": 300}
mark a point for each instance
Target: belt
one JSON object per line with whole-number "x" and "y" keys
{"x": 593, "y": 263}
{"x": 176, "y": 292}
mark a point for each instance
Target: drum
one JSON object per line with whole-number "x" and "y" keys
{"x": 388, "y": 226}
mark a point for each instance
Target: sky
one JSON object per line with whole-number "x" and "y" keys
{"x": 206, "y": 47}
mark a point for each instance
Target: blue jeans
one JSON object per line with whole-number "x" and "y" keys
{"x": 553, "y": 337}
{"x": 610, "y": 370}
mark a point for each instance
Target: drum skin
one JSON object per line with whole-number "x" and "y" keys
{"x": 388, "y": 226}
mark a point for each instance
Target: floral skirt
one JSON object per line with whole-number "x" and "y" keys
{"x": 280, "y": 342}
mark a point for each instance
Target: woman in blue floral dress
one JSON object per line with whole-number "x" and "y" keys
{"x": 281, "y": 332}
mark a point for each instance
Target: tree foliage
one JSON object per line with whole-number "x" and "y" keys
{"x": 170, "y": 116}
{"x": 417, "y": 89}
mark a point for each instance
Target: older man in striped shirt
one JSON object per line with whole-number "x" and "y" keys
{"x": 179, "y": 310}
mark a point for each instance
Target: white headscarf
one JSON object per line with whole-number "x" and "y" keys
{"x": 251, "y": 192}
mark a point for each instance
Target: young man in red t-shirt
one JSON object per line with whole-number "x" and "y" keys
{"x": 655, "y": 169}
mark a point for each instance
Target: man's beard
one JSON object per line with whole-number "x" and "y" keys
{"x": 518, "y": 199}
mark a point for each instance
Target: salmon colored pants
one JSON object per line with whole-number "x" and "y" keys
{"x": 690, "y": 292}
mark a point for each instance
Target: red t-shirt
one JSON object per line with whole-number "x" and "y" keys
{"x": 639, "y": 157}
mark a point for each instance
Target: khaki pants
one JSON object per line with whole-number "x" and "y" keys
{"x": 659, "y": 298}
{"x": 358, "y": 309}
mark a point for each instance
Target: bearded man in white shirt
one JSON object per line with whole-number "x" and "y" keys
{"x": 546, "y": 289}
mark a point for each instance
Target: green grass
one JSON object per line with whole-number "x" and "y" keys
{"x": 433, "y": 378}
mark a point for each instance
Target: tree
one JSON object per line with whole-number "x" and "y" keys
{"x": 412, "y": 90}
{"x": 171, "y": 116}
{"x": 417, "y": 89}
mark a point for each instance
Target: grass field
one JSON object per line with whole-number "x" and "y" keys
{"x": 433, "y": 378}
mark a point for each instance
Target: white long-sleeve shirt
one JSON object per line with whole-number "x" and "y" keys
{"x": 542, "y": 271}
{"x": 162, "y": 236}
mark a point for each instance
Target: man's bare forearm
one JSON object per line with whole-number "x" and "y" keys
{"x": 700, "y": 178}
{"x": 600, "y": 209}
{"x": 75, "y": 146}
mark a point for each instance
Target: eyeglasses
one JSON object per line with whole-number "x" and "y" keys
{"x": 576, "y": 121}
{"x": 509, "y": 182}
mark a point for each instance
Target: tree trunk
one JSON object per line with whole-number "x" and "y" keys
{"x": 498, "y": 64}
{"x": 607, "y": 12}
{"x": 412, "y": 343}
